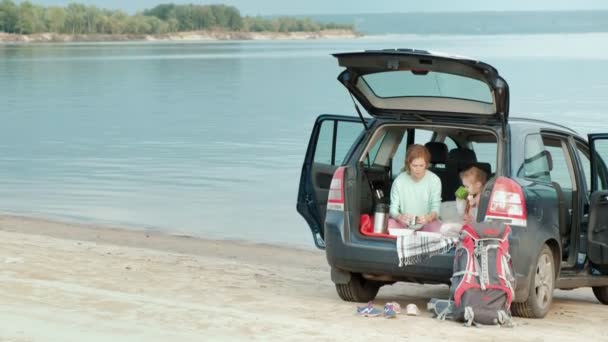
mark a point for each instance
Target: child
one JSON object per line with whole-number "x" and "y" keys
{"x": 473, "y": 178}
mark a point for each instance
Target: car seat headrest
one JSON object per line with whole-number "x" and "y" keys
{"x": 462, "y": 154}
{"x": 438, "y": 151}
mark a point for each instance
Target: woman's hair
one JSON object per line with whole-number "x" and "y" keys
{"x": 416, "y": 151}
{"x": 476, "y": 174}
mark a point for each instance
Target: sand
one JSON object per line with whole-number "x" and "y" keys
{"x": 9, "y": 38}
{"x": 71, "y": 282}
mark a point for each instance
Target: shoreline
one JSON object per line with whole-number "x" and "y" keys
{"x": 11, "y": 38}
{"x": 128, "y": 236}
{"x": 76, "y": 282}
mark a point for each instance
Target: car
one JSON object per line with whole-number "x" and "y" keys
{"x": 546, "y": 181}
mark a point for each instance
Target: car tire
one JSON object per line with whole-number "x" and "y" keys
{"x": 358, "y": 289}
{"x": 601, "y": 293}
{"x": 542, "y": 283}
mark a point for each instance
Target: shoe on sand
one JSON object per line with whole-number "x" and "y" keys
{"x": 396, "y": 306}
{"x": 368, "y": 311}
{"x": 389, "y": 311}
{"x": 412, "y": 310}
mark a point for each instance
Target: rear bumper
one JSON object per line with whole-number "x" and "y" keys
{"x": 377, "y": 258}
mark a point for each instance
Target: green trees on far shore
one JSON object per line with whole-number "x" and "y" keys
{"x": 28, "y": 18}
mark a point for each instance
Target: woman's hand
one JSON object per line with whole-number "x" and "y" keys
{"x": 422, "y": 219}
{"x": 426, "y": 219}
{"x": 404, "y": 219}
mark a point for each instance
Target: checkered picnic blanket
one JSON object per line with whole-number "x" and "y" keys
{"x": 416, "y": 247}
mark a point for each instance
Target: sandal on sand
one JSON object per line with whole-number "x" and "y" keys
{"x": 368, "y": 311}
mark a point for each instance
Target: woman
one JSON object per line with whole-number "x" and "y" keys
{"x": 416, "y": 192}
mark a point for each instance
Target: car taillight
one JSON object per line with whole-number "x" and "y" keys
{"x": 335, "y": 199}
{"x": 507, "y": 202}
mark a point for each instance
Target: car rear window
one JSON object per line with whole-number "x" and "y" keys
{"x": 406, "y": 83}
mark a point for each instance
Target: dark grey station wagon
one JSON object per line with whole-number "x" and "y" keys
{"x": 547, "y": 182}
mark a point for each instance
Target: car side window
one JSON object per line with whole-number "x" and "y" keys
{"x": 323, "y": 150}
{"x": 535, "y": 164}
{"x": 583, "y": 154}
{"x": 451, "y": 144}
{"x": 559, "y": 168}
{"x": 371, "y": 155}
{"x": 399, "y": 157}
{"x": 398, "y": 163}
{"x": 345, "y": 134}
{"x": 601, "y": 149}
{"x": 422, "y": 136}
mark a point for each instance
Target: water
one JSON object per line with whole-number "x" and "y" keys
{"x": 207, "y": 139}
{"x": 475, "y": 23}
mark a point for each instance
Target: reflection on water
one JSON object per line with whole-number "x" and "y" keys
{"x": 207, "y": 139}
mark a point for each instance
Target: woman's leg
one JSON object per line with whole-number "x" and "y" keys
{"x": 392, "y": 223}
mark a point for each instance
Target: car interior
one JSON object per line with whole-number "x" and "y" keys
{"x": 452, "y": 149}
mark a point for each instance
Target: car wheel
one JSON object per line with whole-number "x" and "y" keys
{"x": 358, "y": 289}
{"x": 542, "y": 283}
{"x": 601, "y": 293}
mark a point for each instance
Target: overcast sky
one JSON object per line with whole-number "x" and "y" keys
{"x": 269, "y": 7}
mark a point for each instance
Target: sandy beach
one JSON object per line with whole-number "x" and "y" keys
{"x": 8, "y": 38}
{"x": 71, "y": 282}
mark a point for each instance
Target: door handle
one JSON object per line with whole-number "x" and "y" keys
{"x": 599, "y": 230}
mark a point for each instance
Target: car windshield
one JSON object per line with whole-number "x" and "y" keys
{"x": 423, "y": 83}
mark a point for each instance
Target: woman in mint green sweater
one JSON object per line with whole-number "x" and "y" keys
{"x": 416, "y": 192}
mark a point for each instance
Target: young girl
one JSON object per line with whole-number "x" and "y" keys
{"x": 473, "y": 178}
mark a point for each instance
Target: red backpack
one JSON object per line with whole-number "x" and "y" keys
{"x": 483, "y": 285}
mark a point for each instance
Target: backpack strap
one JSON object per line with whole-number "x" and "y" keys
{"x": 443, "y": 309}
{"x": 469, "y": 317}
{"x": 444, "y": 313}
{"x": 482, "y": 273}
{"x": 505, "y": 319}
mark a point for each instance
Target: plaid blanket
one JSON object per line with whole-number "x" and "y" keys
{"x": 417, "y": 247}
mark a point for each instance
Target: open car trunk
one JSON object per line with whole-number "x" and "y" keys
{"x": 452, "y": 148}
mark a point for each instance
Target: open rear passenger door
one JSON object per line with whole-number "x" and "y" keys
{"x": 597, "y": 247}
{"x": 330, "y": 143}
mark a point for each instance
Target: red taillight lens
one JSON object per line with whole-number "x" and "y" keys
{"x": 507, "y": 202}
{"x": 335, "y": 199}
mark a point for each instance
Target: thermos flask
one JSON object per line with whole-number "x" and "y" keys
{"x": 381, "y": 218}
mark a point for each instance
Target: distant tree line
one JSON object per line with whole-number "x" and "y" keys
{"x": 28, "y": 18}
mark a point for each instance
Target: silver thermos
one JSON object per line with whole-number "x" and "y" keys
{"x": 381, "y": 218}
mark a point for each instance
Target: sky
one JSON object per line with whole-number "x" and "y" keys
{"x": 303, "y": 7}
